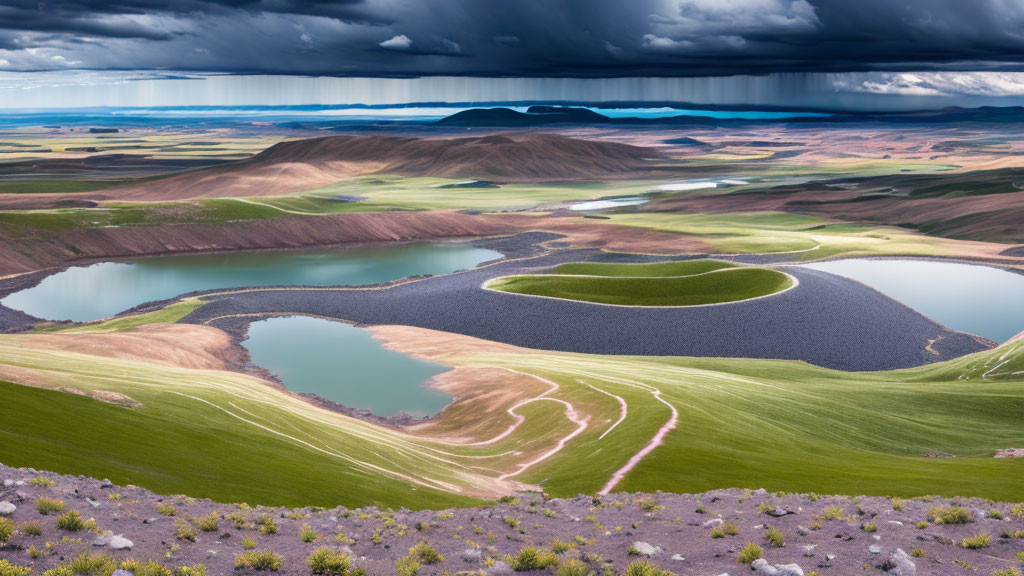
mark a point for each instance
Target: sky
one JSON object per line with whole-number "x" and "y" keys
{"x": 926, "y": 50}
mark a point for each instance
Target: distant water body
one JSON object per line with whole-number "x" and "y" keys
{"x": 979, "y": 300}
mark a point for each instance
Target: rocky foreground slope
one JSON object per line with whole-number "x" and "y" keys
{"x": 93, "y": 527}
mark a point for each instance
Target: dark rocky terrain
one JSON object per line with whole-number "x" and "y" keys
{"x": 699, "y": 534}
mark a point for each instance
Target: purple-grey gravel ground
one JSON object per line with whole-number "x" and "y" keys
{"x": 674, "y": 531}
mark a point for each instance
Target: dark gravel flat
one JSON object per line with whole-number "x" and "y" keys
{"x": 826, "y": 320}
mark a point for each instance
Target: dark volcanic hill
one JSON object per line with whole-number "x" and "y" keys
{"x": 304, "y": 164}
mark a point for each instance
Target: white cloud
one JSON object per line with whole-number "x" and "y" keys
{"x": 399, "y": 42}
{"x": 724, "y": 24}
{"x": 986, "y": 84}
{"x": 450, "y": 46}
{"x": 652, "y": 42}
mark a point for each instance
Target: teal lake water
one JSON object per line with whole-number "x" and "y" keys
{"x": 980, "y": 300}
{"x": 345, "y": 364}
{"x": 104, "y": 289}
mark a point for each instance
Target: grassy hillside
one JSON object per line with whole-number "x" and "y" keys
{"x": 776, "y": 424}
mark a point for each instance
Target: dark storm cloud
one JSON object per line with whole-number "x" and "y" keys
{"x": 513, "y": 37}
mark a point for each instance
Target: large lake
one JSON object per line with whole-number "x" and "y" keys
{"x": 345, "y": 364}
{"x": 102, "y": 290}
{"x": 980, "y": 300}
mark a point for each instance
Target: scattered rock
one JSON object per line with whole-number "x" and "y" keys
{"x": 678, "y": 557}
{"x": 763, "y": 568}
{"x": 900, "y": 564}
{"x": 779, "y": 512}
{"x": 713, "y": 522}
{"x": 500, "y": 567}
{"x": 809, "y": 550}
{"x": 6, "y": 508}
{"x": 1010, "y": 453}
{"x": 894, "y": 523}
{"x": 472, "y": 555}
{"x": 646, "y": 549}
{"x": 92, "y": 503}
{"x": 119, "y": 542}
{"x": 875, "y": 549}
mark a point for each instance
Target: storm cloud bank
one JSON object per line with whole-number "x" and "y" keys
{"x": 529, "y": 38}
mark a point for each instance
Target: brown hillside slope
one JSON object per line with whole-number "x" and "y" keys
{"x": 303, "y": 164}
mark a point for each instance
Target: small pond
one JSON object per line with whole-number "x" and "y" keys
{"x": 980, "y": 300}
{"x": 344, "y": 364}
{"x": 104, "y": 289}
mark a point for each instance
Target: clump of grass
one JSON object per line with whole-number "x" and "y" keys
{"x": 573, "y": 567}
{"x": 774, "y": 538}
{"x": 749, "y": 553}
{"x": 6, "y": 530}
{"x": 510, "y": 521}
{"x": 183, "y": 531}
{"x": 561, "y": 546}
{"x": 42, "y": 482}
{"x": 149, "y": 568}
{"x": 921, "y": 525}
{"x": 964, "y": 565}
{"x": 976, "y": 542}
{"x": 897, "y": 504}
{"x": 994, "y": 514}
{"x": 209, "y": 523}
{"x": 426, "y": 554}
{"x": 165, "y": 509}
{"x": 92, "y": 565}
{"x": 645, "y": 568}
{"x": 1020, "y": 556}
{"x": 46, "y": 506}
{"x": 532, "y": 558}
{"x": 700, "y": 509}
{"x": 71, "y": 522}
{"x": 1017, "y": 510}
{"x": 869, "y": 527}
{"x": 1007, "y": 572}
{"x": 8, "y": 569}
{"x": 406, "y": 566}
{"x": 917, "y": 553}
{"x": 950, "y": 515}
{"x": 1019, "y": 534}
{"x": 237, "y": 520}
{"x": 831, "y": 513}
{"x": 267, "y": 525}
{"x": 330, "y": 562}
{"x": 31, "y": 528}
{"x": 726, "y": 529}
{"x": 248, "y": 544}
{"x": 195, "y": 570}
{"x": 259, "y": 560}
{"x": 307, "y": 534}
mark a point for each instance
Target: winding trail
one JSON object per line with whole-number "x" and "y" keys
{"x": 623, "y": 408}
{"x": 654, "y": 442}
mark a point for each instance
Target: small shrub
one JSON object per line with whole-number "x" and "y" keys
{"x": 208, "y": 523}
{"x": 898, "y": 504}
{"x": 150, "y": 568}
{"x": 6, "y": 530}
{"x": 774, "y": 538}
{"x": 259, "y": 560}
{"x": 330, "y": 562}
{"x": 71, "y": 522}
{"x": 183, "y": 531}
{"x": 831, "y": 513}
{"x": 41, "y": 482}
{"x": 950, "y": 515}
{"x": 8, "y": 569}
{"x": 92, "y": 565}
{"x": 267, "y": 525}
{"x": 976, "y": 542}
{"x": 165, "y": 509}
{"x": 406, "y": 566}
{"x": 1017, "y": 510}
{"x": 237, "y": 520}
{"x": 749, "y": 553}
{"x": 307, "y": 534}
{"x": 248, "y": 544}
{"x": 46, "y": 506}
{"x": 561, "y": 546}
{"x": 426, "y": 554}
{"x": 917, "y": 553}
{"x": 700, "y": 509}
{"x": 994, "y": 514}
{"x": 1007, "y": 572}
{"x": 962, "y": 564}
{"x": 510, "y": 521}
{"x": 645, "y": 568}
{"x": 574, "y": 568}
{"x": 532, "y": 558}
{"x": 196, "y": 570}
{"x": 921, "y": 525}
{"x": 1020, "y": 556}
{"x": 869, "y": 527}
{"x": 726, "y": 529}
{"x": 30, "y": 528}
